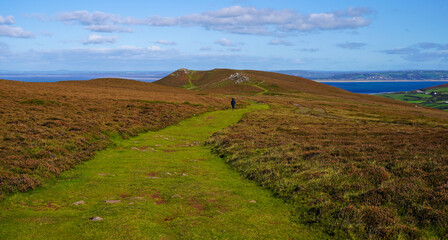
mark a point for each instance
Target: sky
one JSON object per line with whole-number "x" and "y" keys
{"x": 145, "y": 35}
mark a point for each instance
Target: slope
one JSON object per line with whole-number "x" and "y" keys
{"x": 356, "y": 166}
{"x": 46, "y": 128}
{"x": 160, "y": 185}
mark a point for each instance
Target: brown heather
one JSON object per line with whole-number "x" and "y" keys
{"x": 47, "y": 128}
{"x": 356, "y": 166}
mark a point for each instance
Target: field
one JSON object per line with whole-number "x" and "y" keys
{"x": 435, "y": 97}
{"x": 47, "y": 128}
{"x": 347, "y": 166}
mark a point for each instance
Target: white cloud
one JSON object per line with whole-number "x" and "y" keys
{"x": 422, "y": 52}
{"x": 15, "y": 32}
{"x": 98, "y": 39}
{"x": 235, "y": 19}
{"x": 108, "y": 28}
{"x": 224, "y": 42}
{"x": 166, "y": 42}
{"x": 6, "y": 20}
{"x": 95, "y": 21}
{"x": 280, "y": 42}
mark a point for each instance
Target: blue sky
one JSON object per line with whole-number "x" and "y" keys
{"x": 132, "y": 35}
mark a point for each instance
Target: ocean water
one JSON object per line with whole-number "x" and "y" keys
{"x": 145, "y": 77}
{"x": 357, "y": 87}
{"x": 383, "y": 87}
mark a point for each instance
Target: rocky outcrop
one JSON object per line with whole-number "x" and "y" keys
{"x": 238, "y": 78}
{"x": 181, "y": 72}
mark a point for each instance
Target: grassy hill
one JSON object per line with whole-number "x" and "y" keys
{"x": 46, "y": 128}
{"x": 435, "y": 97}
{"x": 353, "y": 165}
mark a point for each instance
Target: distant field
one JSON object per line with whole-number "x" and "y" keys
{"x": 435, "y": 97}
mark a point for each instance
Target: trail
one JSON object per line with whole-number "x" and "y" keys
{"x": 159, "y": 185}
{"x": 257, "y": 85}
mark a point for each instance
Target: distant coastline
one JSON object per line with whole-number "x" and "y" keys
{"x": 367, "y": 81}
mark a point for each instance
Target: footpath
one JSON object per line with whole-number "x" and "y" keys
{"x": 159, "y": 185}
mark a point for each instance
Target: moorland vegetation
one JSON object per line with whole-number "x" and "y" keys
{"x": 355, "y": 166}
{"x": 351, "y": 165}
{"x": 47, "y": 128}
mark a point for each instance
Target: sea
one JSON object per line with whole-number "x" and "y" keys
{"x": 384, "y": 87}
{"x": 357, "y": 87}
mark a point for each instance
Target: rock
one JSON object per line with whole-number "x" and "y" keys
{"x": 176, "y": 196}
{"x": 153, "y": 177}
{"x": 180, "y": 72}
{"x": 137, "y": 198}
{"x": 112, "y": 201}
{"x": 238, "y": 78}
{"x": 253, "y": 201}
{"x": 102, "y": 174}
{"x": 184, "y": 174}
{"x": 78, "y": 203}
{"x": 131, "y": 203}
{"x": 96, "y": 218}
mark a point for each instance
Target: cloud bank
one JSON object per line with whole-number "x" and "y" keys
{"x": 98, "y": 39}
{"x": 421, "y": 52}
{"x": 235, "y": 19}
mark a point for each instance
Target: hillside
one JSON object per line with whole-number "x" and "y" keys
{"x": 435, "y": 97}
{"x": 349, "y": 165}
{"x": 47, "y": 128}
{"x": 353, "y": 165}
{"x": 244, "y": 81}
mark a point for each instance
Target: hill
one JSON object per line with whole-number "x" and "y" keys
{"x": 46, "y": 128}
{"x": 244, "y": 81}
{"x": 351, "y": 165}
{"x": 354, "y": 165}
{"x": 435, "y": 97}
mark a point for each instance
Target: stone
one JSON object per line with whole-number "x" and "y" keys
{"x": 112, "y": 201}
{"x": 96, "y": 218}
{"x": 253, "y": 201}
{"x": 238, "y": 78}
{"x": 78, "y": 203}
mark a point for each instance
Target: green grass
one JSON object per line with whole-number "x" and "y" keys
{"x": 190, "y": 84}
{"x": 169, "y": 185}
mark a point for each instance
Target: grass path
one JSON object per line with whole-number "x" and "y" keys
{"x": 257, "y": 85}
{"x": 159, "y": 185}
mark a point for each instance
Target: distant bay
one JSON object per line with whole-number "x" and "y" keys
{"x": 366, "y": 87}
{"x": 384, "y": 87}
{"x": 30, "y": 77}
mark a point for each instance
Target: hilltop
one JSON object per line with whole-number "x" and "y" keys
{"x": 244, "y": 81}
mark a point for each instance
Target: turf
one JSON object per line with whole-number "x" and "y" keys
{"x": 169, "y": 186}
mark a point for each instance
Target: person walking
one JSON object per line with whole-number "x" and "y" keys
{"x": 233, "y": 103}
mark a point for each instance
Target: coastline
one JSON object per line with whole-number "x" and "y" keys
{"x": 369, "y": 81}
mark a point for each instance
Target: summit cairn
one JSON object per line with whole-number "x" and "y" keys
{"x": 180, "y": 72}
{"x": 238, "y": 78}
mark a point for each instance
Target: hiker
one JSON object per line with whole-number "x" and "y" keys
{"x": 233, "y": 103}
